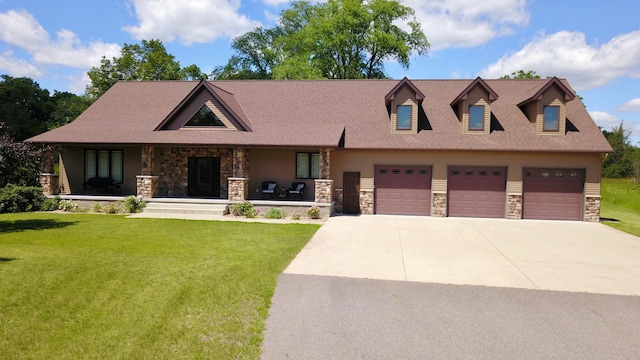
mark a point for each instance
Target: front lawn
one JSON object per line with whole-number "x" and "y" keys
{"x": 106, "y": 287}
{"x": 620, "y": 205}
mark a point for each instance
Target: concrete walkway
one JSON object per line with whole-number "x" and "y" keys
{"x": 548, "y": 255}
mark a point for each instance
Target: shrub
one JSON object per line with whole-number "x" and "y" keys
{"x": 313, "y": 212}
{"x": 14, "y": 198}
{"x": 68, "y": 206}
{"x": 51, "y": 204}
{"x": 295, "y": 216}
{"x": 244, "y": 209}
{"x": 96, "y": 208}
{"x": 133, "y": 204}
{"x": 274, "y": 213}
{"x": 112, "y": 208}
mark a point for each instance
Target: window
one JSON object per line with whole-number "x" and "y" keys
{"x": 476, "y": 117}
{"x": 308, "y": 165}
{"x": 204, "y": 117}
{"x": 103, "y": 164}
{"x": 551, "y": 118}
{"x": 404, "y": 117}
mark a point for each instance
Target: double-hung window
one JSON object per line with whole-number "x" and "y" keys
{"x": 307, "y": 165}
{"x": 103, "y": 164}
{"x": 404, "y": 117}
{"x": 476, "y": 117}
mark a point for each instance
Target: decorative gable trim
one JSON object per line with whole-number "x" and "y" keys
{"x": 493, "y": 96}
{"x": 419, "y": 96}
{"x": 222, "y": 103}
{"x": 554, "y": 93}
{"x": 554, "y": 81}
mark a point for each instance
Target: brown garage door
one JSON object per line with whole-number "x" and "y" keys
{"x": 403, "y": 190}
{"x": 477, "y": 191}
{"x": 552, "y": 194}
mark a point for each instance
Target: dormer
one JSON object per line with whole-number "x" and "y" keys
{"x": 403, "y": 102}
{"x": 207, "y": 107}
{"x": 546, "y": 109}
{"x": 473, "y": 107}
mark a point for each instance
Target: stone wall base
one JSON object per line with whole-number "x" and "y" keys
{"x": 514, "y": 206}
{"x": 323, "y": 191}
{"x": 592, "y": 208}
{"x": 439, "y": 206}
{"x": 338, "y": 198}
{"x": 147, "y": 186}
{"x": 366, "y": 202}
{"x": 238, "y": 189}
{"x": 50, "y": 184}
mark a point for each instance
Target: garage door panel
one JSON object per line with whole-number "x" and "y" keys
{"x": 476, "y": 191}
{"x": 553, "y": 194}
{"x": 403, "y": 190}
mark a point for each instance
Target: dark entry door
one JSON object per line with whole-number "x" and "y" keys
{"x": 351, "y": 192}
{"x": 204, "y": 176}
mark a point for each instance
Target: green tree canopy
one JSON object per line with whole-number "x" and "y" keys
{"x": 620, "y": 163}
{"x": 25, "y": 108}
{"x": 148, "y": 60}
{"x": 339, "y": 39}
{"x": 521, "y": 74}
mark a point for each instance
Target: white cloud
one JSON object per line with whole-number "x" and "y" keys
{"x": 276, "y": 2}
{"x": 20, "y": 29}
{"x": 197, "y": 21}
{"x": 631, "y": 105}
{"x": 566, "y": 54}
{"x": 17, "y": 67}
{"x": 605, "y": 120}
{"x": 467, "y": 23}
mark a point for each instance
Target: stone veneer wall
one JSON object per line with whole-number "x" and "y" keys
{"x": 325, "y": 161}
{"x": 147, "y": 186}
{"x": 514, "y": 206}
{"x": 238, "y": 189}
{"x": 324, "y": 191}
{"x": 240, "y": 162}
{"x": 49, "y": 183}
{"x": 592, "y": 208}
{"x": 366, "y": 202}
{"x": 439, "y": 204}
{"x": 338, "y": 198}
{"x": 174, "y": 169}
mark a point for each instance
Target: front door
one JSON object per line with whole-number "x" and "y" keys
{"x": 204, "y": 176}
{"x": 351, "y": 192}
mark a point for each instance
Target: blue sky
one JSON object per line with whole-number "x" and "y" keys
{"x": 594, "y": 44}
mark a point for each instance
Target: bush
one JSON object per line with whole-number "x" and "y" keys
{"x": 313, "y": 212}
{"x": 51, "y": 204}
{"x": 112, "y": 208}
{"x": 134, "y": 204}
{"x": 274, "y": 213}
{"x": 96, "y": 208}
{"x": 244, "y": 209}
{"x": 15, "y": 199}
{"x": 68, "y": 206}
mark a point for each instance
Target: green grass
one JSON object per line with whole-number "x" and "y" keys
{"x": 102, "y": 286}
{"x": 620, "y": 205}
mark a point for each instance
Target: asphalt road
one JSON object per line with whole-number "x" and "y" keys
{"x": 321, "y": 317}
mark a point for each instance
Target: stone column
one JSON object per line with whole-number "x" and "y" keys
{"x": 238, "y": 189}
{"x": 147, "y": 160}
{"x": 366, "y": 201}
{"x": 592, "y": 208}
{"x": 338, "y": 198}
{"x": 147, "y": 186}
{"x": 325, "y": 164}
{"x": 439, "y": 204}
{"x": 241, "y": 162}
{"x": 514, "y": 206}
{"x": 49, "y": 183}
{"x": 323, "y": 191}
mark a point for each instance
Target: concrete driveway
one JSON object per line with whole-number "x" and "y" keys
{"x": 545, "y": 255}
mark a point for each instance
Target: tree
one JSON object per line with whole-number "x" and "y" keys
{"x": 148, "y": 60}
{"x": 339, "y": 39}
{"x": 19, "y": 162}
{"x": 67, "y": 108}
{"x": 620, "y": 163}
{"x": 521, "y": 74}
{"x": 24, "y": 107}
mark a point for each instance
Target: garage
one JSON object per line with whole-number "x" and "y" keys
{"x": 475, "y": 191}
{"x": 403, "y": 190}
{"x": 553, "y": 194}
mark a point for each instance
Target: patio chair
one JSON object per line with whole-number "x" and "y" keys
{"x": 269, "y": 189}
{"x": 296, "y": 190}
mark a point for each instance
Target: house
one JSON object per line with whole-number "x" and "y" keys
{"x": 480, "y": 148}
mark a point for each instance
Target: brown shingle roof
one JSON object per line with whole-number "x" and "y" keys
{"x": 316, "y": 113}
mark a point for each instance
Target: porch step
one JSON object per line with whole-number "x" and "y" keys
{"x": 185, "y": 208}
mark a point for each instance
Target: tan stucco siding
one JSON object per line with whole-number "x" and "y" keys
{"x": 363, "y": 161}
{"x": 404, "y": 97}
{"x": 276, "y": 165}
